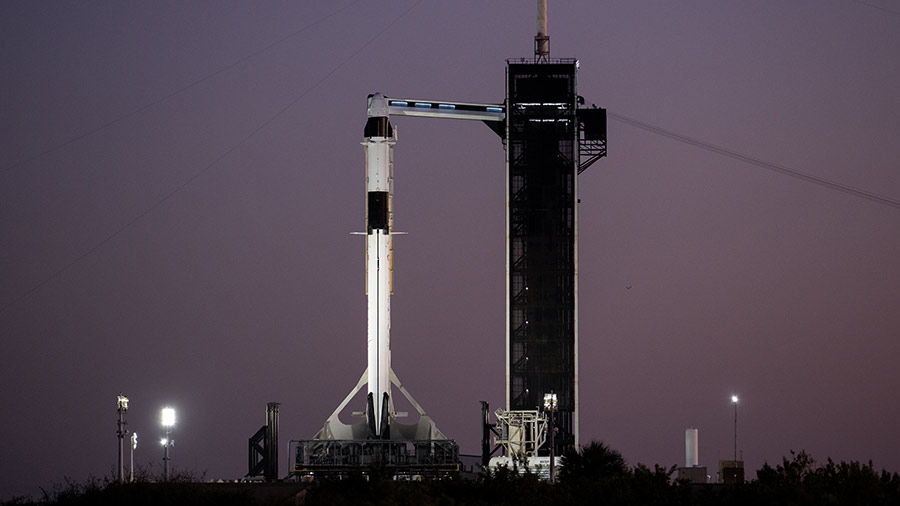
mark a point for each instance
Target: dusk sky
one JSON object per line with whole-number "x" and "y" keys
{"x": 179, "y": 183}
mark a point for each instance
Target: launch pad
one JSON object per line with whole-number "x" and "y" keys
{"x": 549, "y": 139}
{"x": 380, "y": 439}
{"x": 341, "y": 457}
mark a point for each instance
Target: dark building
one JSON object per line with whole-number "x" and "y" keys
{"x": 731, "y": 471}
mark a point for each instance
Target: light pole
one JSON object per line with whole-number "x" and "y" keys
{"x": 121, "y": 408}
{"x": 133, "y": 447}
{"x": 550, "y": 404}
{"x": 168, "y": 420}
{"x": 734, "y": 400}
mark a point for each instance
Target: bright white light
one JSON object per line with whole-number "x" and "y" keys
{"x": 163, "y": 441}
{"x": 133, "y": 440}
{"x": 122, "y": 403}
{"x": 168, "y": 417}
{"x": 550, "y": 401}
{"x": 734, "y": 399}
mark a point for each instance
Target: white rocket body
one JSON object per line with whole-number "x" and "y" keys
{"x": 378, "y": 144}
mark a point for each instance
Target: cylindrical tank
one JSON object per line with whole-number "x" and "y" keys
{"x": 542, "y": 39}
{"x": 691, "y": 447}
{"x": 542, "y": 18}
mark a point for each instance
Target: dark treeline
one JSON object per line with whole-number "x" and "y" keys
{"x": 596, "y": 474}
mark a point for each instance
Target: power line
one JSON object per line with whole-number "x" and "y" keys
{"x": 224, "y": 155}
{"x": 179, "y": 91}
{"x": 809, "y": 178}
{"x": 885, "y": 9}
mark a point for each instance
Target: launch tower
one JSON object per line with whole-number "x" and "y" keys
{"x": 549, "y": 141}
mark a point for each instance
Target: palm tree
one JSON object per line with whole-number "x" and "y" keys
{"x": 596, "y": 461}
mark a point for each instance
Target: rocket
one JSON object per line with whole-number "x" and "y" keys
{"x": 378, "y": 141}
{"x": 379, "y": 144}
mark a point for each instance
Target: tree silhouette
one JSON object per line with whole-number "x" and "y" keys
{"x": 596, "y": 461}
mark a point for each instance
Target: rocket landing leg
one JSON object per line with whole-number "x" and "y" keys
{"x": 334, "y": 428}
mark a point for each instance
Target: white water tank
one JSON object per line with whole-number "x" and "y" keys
{"x": 691, "y": 447}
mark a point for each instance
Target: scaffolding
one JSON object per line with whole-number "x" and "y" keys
{"x": 522, "y": 433}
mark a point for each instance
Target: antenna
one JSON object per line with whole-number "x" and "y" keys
{"x": 542, "y": 39}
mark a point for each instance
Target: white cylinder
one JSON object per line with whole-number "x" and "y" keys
{"x": 378, "y": 266}
{"x": 542, "y": 39}
{"x": 542, "y": 18}
{"x": 691, "y": 447}
{"x": 379, "y": 321}
{"x": 378, "y": 165}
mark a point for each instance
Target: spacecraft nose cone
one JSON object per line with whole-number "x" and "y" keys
{"x": 378, "y": 106}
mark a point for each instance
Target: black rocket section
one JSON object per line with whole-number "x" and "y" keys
{"x": 370, "y": 416}
{"x": 385, "y": 417}
{"x": 378, "y": 212}
{"x": 378, "y": 126}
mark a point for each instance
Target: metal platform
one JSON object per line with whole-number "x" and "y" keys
{"x": 340, "y": 457}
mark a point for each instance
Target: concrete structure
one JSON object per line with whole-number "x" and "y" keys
{"x": 731, "y": 471}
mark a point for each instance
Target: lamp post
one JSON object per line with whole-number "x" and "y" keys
{"x": 133, "y": 447}
{"x": 550, "y": 404}
{"x": 734, "y": 400}
{"x": 168, "y": 420}
{"x": 121, "y": 408}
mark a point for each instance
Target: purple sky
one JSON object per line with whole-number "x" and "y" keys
{"x": 197, "y": 253}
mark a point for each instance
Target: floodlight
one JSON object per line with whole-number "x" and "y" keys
{"x": 550, "y": 404}
{"x": 734, "y": 400}
{"x": 133, "y": 446}
{"x": 168, "y": 417}
{"x": 168, "y": 420}
{"x": 122, "y": 403}
{"x": 550, "y": 401}
{"x": 121, "y": 409}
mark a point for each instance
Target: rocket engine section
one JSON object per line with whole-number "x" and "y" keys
{"x": 379, "y": 146}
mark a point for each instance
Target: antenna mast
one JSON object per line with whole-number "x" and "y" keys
{"x": 542, "y": 39}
